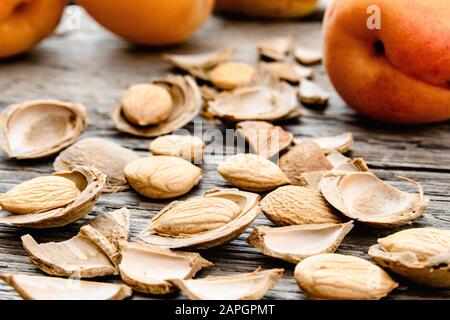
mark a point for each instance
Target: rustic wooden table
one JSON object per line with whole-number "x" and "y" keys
{"x": 94, "y": 67}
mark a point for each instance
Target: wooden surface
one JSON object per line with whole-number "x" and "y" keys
{"x": 94, "y": 67}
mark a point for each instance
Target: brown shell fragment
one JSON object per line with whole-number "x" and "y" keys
{"x": 265, "y": 139}
{"x": 307, "y": 56}
{"x": 89, "y": 181}
{"x": 295, "y": 243}
{"x": 198, "y": 65}
{"x": 187, "y": 104}
{"x": 146, "y": 269}
{"x": 105, "y": 155}
{"x": 307, "y": 156}
{"x": 162, "y": 177}
{"x": 226, "y": 232}
{"x": 268, "y": 102}
{"x": 187, "y": 147}
{"x": 50, "y": 288}
{"x": 276, "y": 48}
{"x": 363, "y": 197}
{"x": 340, "y": 277}
{"x": 345, "y": 164}
{"x": 338, "y": 143}
{"x": 252, "y": 172}
{"x": 312, "y": 94}
{"x": 421, "y": 255}
{"x": 243, "y": 286}
{"x": 294, "y": 205}
{"x": 287, "y": 71}
{"x": 88, "y": 254}
{"x": 40, "y": 128}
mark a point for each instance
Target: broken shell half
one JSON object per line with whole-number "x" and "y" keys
{"x": 338, "y": 143}
{"x": 187, "y": 104}
{"x": 146, "y": 268}
{"x": 295, "y": 243}
{"x": 265, "y": 139}
{"x": 244, "y": 286}
{"x": 287, "y": 71}
{"x": 341, "y": 277}
{"x": 88, "y": 180}
{"x": 249, "y": 210}
{"x": 252, "y": 172}
{"x": 162, "y": 177}
{"x": 91, "y": 253}
{"x": 365, "y": 198}
{"x": 311, "y": 94}
{"x": 198, "y": 64}
{"x": 306, "y": 156}
{"x": 345, "y": 164}
{"x": 266, "y": 102}
{"x": 50, "y": 288}
{"x": 41, "y": 128}
{"x": 307, "y": 56}
{"x": 294, "y": 205}
{"x": 275, "y": 48}
{"x": 105, "y": 155}
{"x": 187, "y": 147}
{"x": 421, "y": 255}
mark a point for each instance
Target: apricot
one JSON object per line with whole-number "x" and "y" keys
{"x": 397, "y": 72}
{"x": 150, "y": 22}
{"x": 268, "y": 8}
{"x": 24, "y": 23}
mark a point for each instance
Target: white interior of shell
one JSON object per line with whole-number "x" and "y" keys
{"x": 135, "y": 263}
{"x": 40, "y": 128}
{"x": 200, "y": 61}
{"x": 48, "y": 288}
{"x": 304, "y": 240}
{"x": 341, "y": 142}
{"x": 255, "y": 103}
{"x": 237, "y": 287}
{"x": 362, "y": 196}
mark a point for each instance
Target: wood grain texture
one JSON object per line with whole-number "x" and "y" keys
{"x": 94, "y": 67}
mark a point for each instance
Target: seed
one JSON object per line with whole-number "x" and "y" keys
{"x": 230, "y": 75}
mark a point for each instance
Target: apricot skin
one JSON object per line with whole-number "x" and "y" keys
{"x": 150, "y": 22}
{"x": 23, "y": 24}
{"x": 407, "y": 80}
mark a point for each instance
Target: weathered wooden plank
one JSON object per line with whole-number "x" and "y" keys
{"x": 94, "y": 67}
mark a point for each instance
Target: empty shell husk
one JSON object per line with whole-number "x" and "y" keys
{"x": 50, "y": 288}
{"x": 269, "y": 102}
{"x": 89, "y": 181}
{"x": 248, "y": 204}
{"x": 275, "y": 48}
{"x": 165, "y": 264}
{"x": 265, "y": 139}
{"x": 244, "y": 286}
{"x": 286, "y": 71}
{"x": 93, "y": 252}
{"x": 338, "y": 143}
{"x": 421, "y": 255}
{"x": 365, "y": 198}
{"x": 187, "y": 104}
{"x": 295, "y": 243}
{"x": 198, "y": 65}
{"x": 40, "y": 128}
{"x": 105, "y": 155}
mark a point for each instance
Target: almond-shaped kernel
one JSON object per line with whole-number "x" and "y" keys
{"x": 307, "y": 156}
{"x": 39, "y": 194}
{"x": 195, "y": 215}
{"x": 292, "y": 205}
{"x": 252, "y": 172}
{"x": 184, "y": 146}
{"x": 230, "y": 75}
{"x": 162, "y": 177}
{"x": 341, "y": 277}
